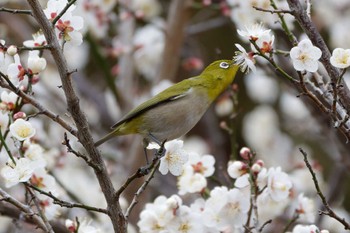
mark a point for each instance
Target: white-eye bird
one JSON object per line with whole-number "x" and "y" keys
{"x": 176, "y": 110}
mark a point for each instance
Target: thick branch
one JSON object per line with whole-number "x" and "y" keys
{"x": 84, "y": 135}
{"x": 310, "y": 29}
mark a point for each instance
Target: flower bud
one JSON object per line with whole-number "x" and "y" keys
{"x": 245, "y": 153}
{"x": 71, "y": 226}
{"x": 256, "y": 168}
{"x": 19, "y": 115}
{"x": 12, "y": 50}
{"x": 236, "y": 169}
{"x": 260, "y": 162}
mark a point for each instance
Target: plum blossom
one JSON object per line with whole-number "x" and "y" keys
{"x": 307, "y": 229}
{"x": 68, "y": 26}
{"x": 305, "y": 56}
{"x": 306, "y": 208}
{"x": 174, "y": 158}
{"x": 41, "y": 179}
{"x": 36, "y": 64}
{"x": 38, "y": 40}
{"x": 340, "y": 58}
{"x": 8, "y": 100}
{"x": 191, "y": 181}
{"x": 261, "y": 36}
{"x": 157, "y": 215}
{"x": 22, "y": 129}
{"x": 236, "y": 168}
{"x": 244, "y": 59}
{"x": 278, "y": 184}
{"x": 21, "y": 171}
{"x": 225, "y": 209}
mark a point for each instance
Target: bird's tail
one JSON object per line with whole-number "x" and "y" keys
{"x": 105, "y": 138}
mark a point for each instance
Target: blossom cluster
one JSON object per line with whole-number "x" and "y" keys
{"x": 223, "y": 209}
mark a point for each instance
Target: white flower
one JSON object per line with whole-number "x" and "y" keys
{"x": 278, "y": 184}
{"x": 8, "y": 100}
{"x": 261, "y": 36}
{"x": 36, "y": 64}
{"x": 5, "y": 58}
{"x": 245, "y": 60}
{"x": 236, "y": 168}
{"x": 203, "y": 164}
{"x": 50, "y": 209}
{"x": 22, "y": 129}
{"x": 35, "y": 153}
{"x": 305, "y": 229}
{"x": 42, "y": 180}
{"x": 16, "y": 71}
{"x": 21, "y": 172}
{"x": 254, "y": 32}
{"x": 157, "y": 215}
{"x": 186, "y": 221}
{"x": 226, "y": 208}
{"x": 38, "y": 40}
{"x": 68, "y": 25}
{"x": 305, "y": 56}
{"x": 191, "y": 182}
{"x": 174, "y": 159}
{"x": 340, "y": 58}
{"x": 306, "y": 209}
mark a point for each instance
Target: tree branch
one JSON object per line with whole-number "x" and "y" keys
{"x": 329, "y": 210}
{"x": 29, "y": 213}
{"x": 113, "y": 206}
{"x": 310, "y": 29}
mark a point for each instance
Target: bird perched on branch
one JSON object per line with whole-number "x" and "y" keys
{"x": 176, "y": 110}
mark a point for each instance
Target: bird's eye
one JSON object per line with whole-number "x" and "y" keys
{"x": 224, "y": 65}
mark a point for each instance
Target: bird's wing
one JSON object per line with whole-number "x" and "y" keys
{"x": 166, "y": 96}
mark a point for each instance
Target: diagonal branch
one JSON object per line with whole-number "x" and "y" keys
{"x": 310, "y": 29}
{"x": 329, "y": 210}
{"x": 29, "y": 213}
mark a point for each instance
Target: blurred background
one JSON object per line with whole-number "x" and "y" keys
{"x": 133, "y": 49}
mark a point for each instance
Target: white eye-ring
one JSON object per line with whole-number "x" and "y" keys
{"x": 224, "y": 65}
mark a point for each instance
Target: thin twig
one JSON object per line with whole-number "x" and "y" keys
{"x": 264, "y": 225}
{"x": 28, "y": 212}
{"x": 329, "y": 210}
{"x": 16, "y": 11}
{"x": 41, "y": 213}
{"x": 142, "y": 171}
{"x": 141, "y": 189}
{"x": 272, "y": 11}
{"x": 79, "y": 155}
{"x": 66, "y": 204}
{"x": 64, "y": 10}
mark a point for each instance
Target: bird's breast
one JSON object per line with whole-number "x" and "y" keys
{"x": 175, "y": 118}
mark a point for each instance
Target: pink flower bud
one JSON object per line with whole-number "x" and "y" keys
{"x": 19, "y": 115}
{"x": 260, "y": 162}
{"x": 256, "y": 168}
{"x": 245, "y": 153}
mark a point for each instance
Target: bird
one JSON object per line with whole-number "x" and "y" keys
{"x": 175, "y": 111}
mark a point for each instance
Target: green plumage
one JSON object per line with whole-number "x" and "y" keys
{"x": 174, "y": 111}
